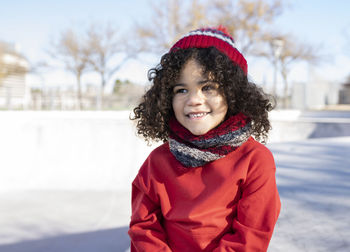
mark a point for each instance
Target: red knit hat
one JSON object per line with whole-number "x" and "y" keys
{"x": 217, "y": 37}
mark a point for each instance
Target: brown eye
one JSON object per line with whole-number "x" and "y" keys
{"x": 210, "y": 87}
{"x": 207, "y": 88}
{"x": 180, "y": 91}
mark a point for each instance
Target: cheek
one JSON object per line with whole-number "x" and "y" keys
{"x": 176, "y": 104}
{"x": 220, "y": 104}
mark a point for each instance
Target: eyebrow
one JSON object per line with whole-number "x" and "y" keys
{"x": 198, "y": 83}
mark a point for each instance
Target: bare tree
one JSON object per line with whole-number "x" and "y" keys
{"x": 246, "y": 20}
{"x": 170, "y": 20}
{"x": 105, "y": 43}
{"x": 292, "y": 52}
{"x": 93, "y": 49}
{"x": 284, "y": 50}
{"x": 73, "y": 51}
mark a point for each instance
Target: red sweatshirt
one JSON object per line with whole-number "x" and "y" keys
{"x": 231, "y": 204}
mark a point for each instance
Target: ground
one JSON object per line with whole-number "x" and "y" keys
{"x": 313, "y": 179}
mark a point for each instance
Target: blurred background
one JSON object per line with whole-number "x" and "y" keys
{"x": 71, "y": 72}
{"x": 95, "y": 55}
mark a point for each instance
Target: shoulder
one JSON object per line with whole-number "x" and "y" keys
{"x": 251, "y": 146}
{"x": 257, "y": 154}
{"x": 160, "y": 153}
{"x": 159, "y": 161}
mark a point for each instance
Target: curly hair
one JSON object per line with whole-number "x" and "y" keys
{"x": 155, "y": 110}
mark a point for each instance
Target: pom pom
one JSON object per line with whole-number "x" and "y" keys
{"x": 223, "y": 29}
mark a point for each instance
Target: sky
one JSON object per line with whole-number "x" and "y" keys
{"x": 32, "y": 24}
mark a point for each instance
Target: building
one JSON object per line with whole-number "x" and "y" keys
{"x": 344, "y": 94}
{"x": 315, "y": 94}
{"x": 13, "y": 70}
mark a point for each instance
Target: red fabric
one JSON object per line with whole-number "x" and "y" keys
{"x": 231, "y": 204}
{"x": 204, "y": 41}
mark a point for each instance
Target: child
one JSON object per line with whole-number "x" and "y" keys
{"x": 211, "y": 186}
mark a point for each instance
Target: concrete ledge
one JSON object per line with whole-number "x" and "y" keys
{"x": 296, "y": 125}
{"x": 100, "y": 150}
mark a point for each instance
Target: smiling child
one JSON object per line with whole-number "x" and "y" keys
{"x": 211, "y": 185}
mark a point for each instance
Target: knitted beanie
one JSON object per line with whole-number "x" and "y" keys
{"x": 217, "y": 37}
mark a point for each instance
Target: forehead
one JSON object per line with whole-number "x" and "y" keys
{"x": 192, "y": 69}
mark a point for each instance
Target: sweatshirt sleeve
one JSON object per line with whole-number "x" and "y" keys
{"x": 257, "y": 210}
{"x": 146, "y": 232}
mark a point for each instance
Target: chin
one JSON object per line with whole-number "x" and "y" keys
{"x": 198, "y": 132}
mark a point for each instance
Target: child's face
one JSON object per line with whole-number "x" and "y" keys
{"x": 197, "y": 103}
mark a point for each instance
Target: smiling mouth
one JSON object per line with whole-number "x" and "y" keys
{"x": 196, "y": 115}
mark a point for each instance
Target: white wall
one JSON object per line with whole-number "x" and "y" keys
{"x": 99, "y": 150}
{"x": 68, "y": 150}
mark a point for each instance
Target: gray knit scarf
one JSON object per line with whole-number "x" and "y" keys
{"x": 195, "y": 151}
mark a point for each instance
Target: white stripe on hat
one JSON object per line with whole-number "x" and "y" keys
{"x": 211, "y": 34}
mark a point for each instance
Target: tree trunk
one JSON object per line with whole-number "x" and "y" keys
{"x": 101, "y": 94}
{"x": 274, "y": 88}
{"x": 285, "y": 91}
{"x": 80, "y": 105}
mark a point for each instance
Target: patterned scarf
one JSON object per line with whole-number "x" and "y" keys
{"x": 194, "y": 151}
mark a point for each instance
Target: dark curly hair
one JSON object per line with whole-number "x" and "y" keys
{"x": 155, "y": 110}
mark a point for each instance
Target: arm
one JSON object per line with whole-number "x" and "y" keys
{"x": 146, "y": 231}
{"x": 257, "y": 210}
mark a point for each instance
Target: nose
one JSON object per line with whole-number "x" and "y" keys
{"x": 195, "y": 98}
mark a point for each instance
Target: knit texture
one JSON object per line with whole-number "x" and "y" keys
{"x": 194, "y": 151}
{"x": 216, "y": 37}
